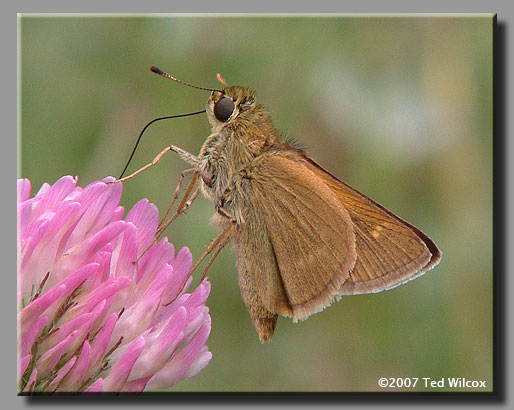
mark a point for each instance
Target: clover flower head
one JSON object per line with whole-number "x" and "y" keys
{"x": 90, "y": 318}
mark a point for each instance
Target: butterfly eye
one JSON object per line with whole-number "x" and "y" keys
{"x": 223, "y": 109}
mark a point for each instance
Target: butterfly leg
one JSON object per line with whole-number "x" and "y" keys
{"x": 223, "y": 212}
{"x": 216, "y": 244}
{"x": 186, "y": 156}
{"x": 185, "y": 203}
{"x": 227, "y": 236}
{"x": 183, "y": 206}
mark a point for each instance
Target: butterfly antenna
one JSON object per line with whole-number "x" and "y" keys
{"x": 157, "y": 70}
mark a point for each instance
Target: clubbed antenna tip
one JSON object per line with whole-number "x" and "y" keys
{"x": 157, "y": 70}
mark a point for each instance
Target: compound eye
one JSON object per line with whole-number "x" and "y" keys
{"x": 223, "y": 109}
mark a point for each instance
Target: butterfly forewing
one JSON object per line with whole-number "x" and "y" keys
{"x": 390, "y": 251}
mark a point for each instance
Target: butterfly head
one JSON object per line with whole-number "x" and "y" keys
{"x": 227, "y": 105}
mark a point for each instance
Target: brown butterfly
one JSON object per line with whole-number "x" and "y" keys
{"x": 303, "y": 237}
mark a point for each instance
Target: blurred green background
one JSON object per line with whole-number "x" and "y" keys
{"x": 400, "y": 108}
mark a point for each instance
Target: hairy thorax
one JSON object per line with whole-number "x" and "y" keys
{"x": 224, "y": 156}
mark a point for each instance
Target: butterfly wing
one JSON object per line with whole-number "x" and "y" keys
{"x": 308, "y": 238}
{"x": 390, "y": 251}
{"x": 303, "y": 228}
